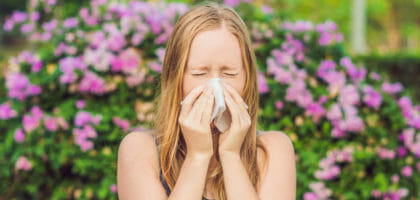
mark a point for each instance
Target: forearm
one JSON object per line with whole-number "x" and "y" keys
{"x": 237, "y": 182}
{"x": 192, "y": 177}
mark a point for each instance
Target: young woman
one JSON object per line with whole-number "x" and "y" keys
{"x": 185, "y": 156}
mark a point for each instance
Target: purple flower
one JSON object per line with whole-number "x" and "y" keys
{"x": 232, "y": 3}
{"x": 266, "y": 9}
{"x": 70, "y": 22}
{"x": 19, "y": 16}
{"x": 50, "y": 26}
{"x": 334, "y": 113}
{"x": 83, "y": 118}
{"x": 371, "y": 97}
{"x": 376, "y": 193}
{"x": 19, "y": 136}
{"x": 80, "y": 104}
{"x": 375, "y": 76}
{"x": 31, "y": 121}
{"x": 6, "y": 112}
{"x": 19, "y": 86}
{"x": 395, "y": 178}
{"x": 349, "y": 95}
{"x": 391, "y": 88}
{"x": 130, "y": 60}
{"x": 406, "y": 171}
{"x": 122, "y": 123}
{"x": 386, "y": 153}
{"x": 113, "y": 188}
{"x": 8, "y": 24}
{"x": 401, "y": 151}
{"x": 26, "y": 28}
{"x": 23, "y": 164}
{"x": 34, "y": 16}
{"x": 316, "y": 110}
{"x": 116, "y": 41}
{"x": 262, "y": 83}
{"x": 92, "y": 83}
{"x": 155, "y": 66}
{"x": 50, "y": 123}
{"x": 355, "y": 74}
{"x": 36, "y": 66}
{"x": 310, "y": 196}
{"x": 82, "y": 136}
{"x": 279, "y": 105}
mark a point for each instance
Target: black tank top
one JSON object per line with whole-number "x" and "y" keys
{"x": 162, "y": 180}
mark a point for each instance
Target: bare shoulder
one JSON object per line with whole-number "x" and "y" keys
{"x": 138, "y": 167}
{"x": 276, "y": 139}
{"x": 278, "y": 174}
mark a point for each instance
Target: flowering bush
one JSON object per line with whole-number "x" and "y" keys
{"x": 66, "y": 106}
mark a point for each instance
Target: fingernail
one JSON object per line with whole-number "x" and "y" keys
{"x": 246, "y": 106}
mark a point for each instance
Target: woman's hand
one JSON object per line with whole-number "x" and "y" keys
{"x": 194, "y": 120}
{"x": 231, "y": 140}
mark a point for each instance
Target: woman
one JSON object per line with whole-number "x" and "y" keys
{"x": 192, "y": 159}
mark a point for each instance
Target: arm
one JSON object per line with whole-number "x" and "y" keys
{"x": 138, "y": 168}
{"x": 138, "y": 171}
{"x": 192, "y": 178}
{"x": 237, "y": 183}
{"x": 279, "y": 179}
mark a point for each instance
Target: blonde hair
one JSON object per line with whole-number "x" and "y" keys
{"x": 171, "y": 144}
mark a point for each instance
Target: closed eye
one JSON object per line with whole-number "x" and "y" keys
{"x": 231, "y": 74}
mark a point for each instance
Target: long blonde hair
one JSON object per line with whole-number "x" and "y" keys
{"x": 171, "y": 144}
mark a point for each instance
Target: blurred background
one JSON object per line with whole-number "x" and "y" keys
{"x": 339, "y": 77}
{"x": 383, "y": 33}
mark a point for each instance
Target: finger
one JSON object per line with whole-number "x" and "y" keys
{"x": 236, "y": 97}
{"x": 199, "y": 106}
{"x": 231, "y": 105}
{"x": 187, "y": 103}
{"x": 206, "y": 117}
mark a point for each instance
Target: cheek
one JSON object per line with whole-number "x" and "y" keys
{"x": 236, "y": 84}
{"x": 189, "y": 84}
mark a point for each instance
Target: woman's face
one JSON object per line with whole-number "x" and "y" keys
{"x": 214, "y": 53}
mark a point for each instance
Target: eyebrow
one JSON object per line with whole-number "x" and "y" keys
{"x": 207, "y": 67}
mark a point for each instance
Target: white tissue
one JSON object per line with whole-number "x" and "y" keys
{"x": 221, "y": 115}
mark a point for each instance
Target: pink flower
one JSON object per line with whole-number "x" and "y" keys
{"x": 279, "y": 104}
{"x": 19, "y": 136}
{"x": 349, "y": 95}
{"x": 386, "y": 153}
{"x": 50, "y": 123}
{"x": 376, "y": 193}
{"x": 371, "y": 97}
{"x": 23, "y": 164}
{"x": 122, "y": 123}
{"x": 113, "y": 188}
{"x": 310, "y": 196}
{"x": 92, "y": 83}
{"x": 406, "y": 171}
{"x": 19, "y": 16}
{"x": 232, "y": 3}
{"x": 82, "y": 118}
{"x": 82, "y": 136}
{"x": 6, "y": 112}
{"x": 391, "y": 88}
{"x": 395, "y": 178}
{"x": 262, "y": 83}
{"x": 80, "y": 104}
{"x": 70, "y": 22}
{"x": 31, "y": 121}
